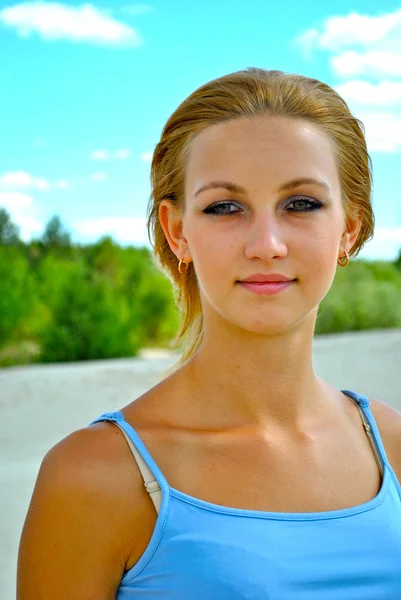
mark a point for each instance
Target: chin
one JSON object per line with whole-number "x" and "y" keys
{"x": 275, "y": 323}
{"x": 267, "y": 327}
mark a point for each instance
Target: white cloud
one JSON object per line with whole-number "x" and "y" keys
{"x": 308, "y": 40}
{"x": 146, "y": 157}
{"x": 128, "y": 230}
{"x": 99, "y": 176}
{"x": 385, "y": 245}
{"x": 55, "y": 20}
{"x": 24, "y": 180}
{"x": 365, "y": 46}
{"x": 99, "y": 155}
{"x": 361, "y": 44}
{"x": 378, "y": 63}
{"x": 392, "y": 234}
{"x": 384, "y": 93}
{"x": 22, "y": 212}
{"x": 355, "y": 30}
{"x": 11, "y": 200}
{"x": 383, "y": 131}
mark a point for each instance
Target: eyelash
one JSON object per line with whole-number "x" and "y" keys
{"x": 313, "y": 205}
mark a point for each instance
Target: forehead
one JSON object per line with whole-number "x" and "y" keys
{"x": 261, "y": 149}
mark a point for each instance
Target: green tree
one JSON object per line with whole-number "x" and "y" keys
{"x": 365, "y": 295}
{"x": 154, "y": 309}
{"x": 55, "y": 234}
{"x": 9, "y": 232}
{"x": 90, "y": 321}
{"x": 17, "y": 293}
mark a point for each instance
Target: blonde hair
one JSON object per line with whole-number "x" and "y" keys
{"x": 250, "y": 93}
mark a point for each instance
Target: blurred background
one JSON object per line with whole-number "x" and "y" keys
{"x": 86, "y": 90}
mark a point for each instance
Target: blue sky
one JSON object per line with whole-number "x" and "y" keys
{"x": 87, "y": 88}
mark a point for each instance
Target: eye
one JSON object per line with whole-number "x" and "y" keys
{"x": 221, "y": 208}
{"x": 301, "y": 204}
{"x": 304, "y": 205}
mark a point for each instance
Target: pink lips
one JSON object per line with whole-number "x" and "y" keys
{"x": 266, "y": 285}
{"x": 271, "y": 277}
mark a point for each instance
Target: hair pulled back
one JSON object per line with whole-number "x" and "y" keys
{"x": 248, "y": 93}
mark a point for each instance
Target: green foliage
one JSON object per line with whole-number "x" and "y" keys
{"x": 61, "y": 301}
{"x": 17, "y": 293}
{"x": 80, "y": 302}
{"x": 363, "y": 296}
{"x": 54, "y": 234}
{"x": 155, "y": 309}
{"x": 9, "y": 233}
{"x": 89, "y": 321}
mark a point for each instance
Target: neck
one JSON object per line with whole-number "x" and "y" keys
{"x": 259, "y": 380}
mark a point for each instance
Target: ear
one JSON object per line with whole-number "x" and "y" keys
{"x": 170, "y": 217}
{"x": 350, "y": 234}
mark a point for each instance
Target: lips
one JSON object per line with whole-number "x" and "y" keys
{"x": 264, "y": 278}
{"x": 266, "y": 288}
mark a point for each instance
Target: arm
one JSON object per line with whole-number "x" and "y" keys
{"x": 73, "y": 543}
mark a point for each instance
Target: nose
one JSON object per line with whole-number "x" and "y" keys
{"x": 265, "y": 238}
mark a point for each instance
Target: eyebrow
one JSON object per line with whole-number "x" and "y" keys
{"x": 235, "y": 188}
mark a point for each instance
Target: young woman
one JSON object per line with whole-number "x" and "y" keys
{"x": 262, "y": 480}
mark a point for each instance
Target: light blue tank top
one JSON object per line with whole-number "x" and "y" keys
{"x": 204, "y": 551}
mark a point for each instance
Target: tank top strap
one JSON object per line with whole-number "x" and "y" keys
{"x": 154, "y": 480}
{"x": 372, "y": 431}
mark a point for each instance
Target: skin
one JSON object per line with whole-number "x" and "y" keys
{"x": 245, "y": 423}
{"x": 264, "y": 343}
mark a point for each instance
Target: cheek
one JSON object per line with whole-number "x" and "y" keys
{"x": 324, "y": 234}
{"x": 209, "y": 248}
{"x": 323, "y": 253}
{"x": 215, "y": 257}
{"x": 315, "y": 253}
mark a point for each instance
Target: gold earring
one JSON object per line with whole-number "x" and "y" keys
{"x": 179, "y": 266}
{"x": 340, "y": 261}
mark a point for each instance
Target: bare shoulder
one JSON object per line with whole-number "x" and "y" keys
{"x": 388, "y": 420}
{"x": 87, "y": 496}
{"x": 386, "y": 416}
